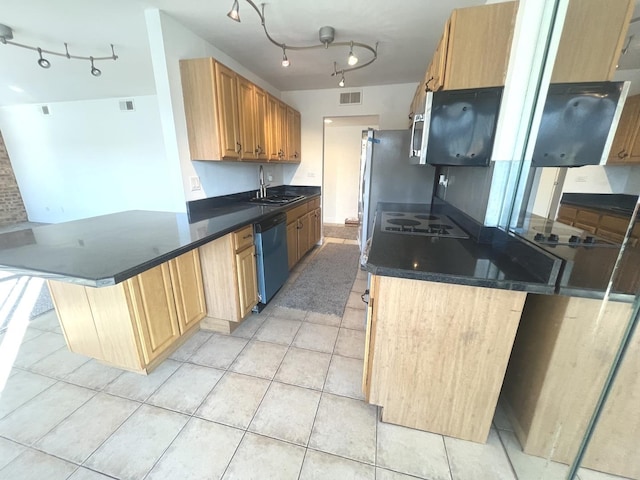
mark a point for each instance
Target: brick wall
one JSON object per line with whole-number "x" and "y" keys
{"x": 11, "y": 206}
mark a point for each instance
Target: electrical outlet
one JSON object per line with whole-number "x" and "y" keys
{"x": 311, "y": 174}
{"x": 269, "y": 178}
{"x": 195, "y": 183}
{"x": 582, "y": 179}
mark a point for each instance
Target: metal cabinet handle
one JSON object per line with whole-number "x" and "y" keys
{"x": 239, "y": 147}
{"x": 247, "y": 236}
{"x": 426, "y": 85}
{"x": 365, "y": 294}
{"x": 622, "y": 154}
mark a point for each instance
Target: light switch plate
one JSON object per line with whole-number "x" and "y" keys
{"x": 195, "y": 183}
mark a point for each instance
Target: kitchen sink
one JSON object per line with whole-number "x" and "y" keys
{"x": 276, "y": 199}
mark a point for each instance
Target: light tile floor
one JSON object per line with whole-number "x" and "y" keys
{"x": 280, "y": 398}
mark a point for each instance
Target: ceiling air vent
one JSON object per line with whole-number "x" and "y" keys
{"x": 45, "y": 109}
{"x": 127, "y": 105}
{"x": 351, "y": 98}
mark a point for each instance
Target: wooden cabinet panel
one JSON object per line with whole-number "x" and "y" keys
{"x": 200, "y": 104}
{"x": 247, "y": 280}
{"x": 243, "y": 238}
{"x": 625, "y": 139}
{"x": 186, "y": 280}
{"x": 283, "y": 154}
{"x": 297, "y": 137}
{"x": 370, "y": 338}
{"x": 290, "y": 135}
{"x": 247, "y": 119}
{"x": 292, "y": 243}
{"x": 479, "y": 43}
{"x": 434, "y": 79}
{"x": 154, "y": 310}
{"x": 568, "y": 213}
{"x": 586, "y": 217}
{"x": 303, "y": 235}
{"x": 592, "y": 39}
{"x": 317, "y": 231}
{"x": 261, "y": 123}
{"x": 275, "y": 134}
{"x": 227, "y": 94}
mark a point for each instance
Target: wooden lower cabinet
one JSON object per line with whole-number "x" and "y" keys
{"x": 561, "y": 357}
{"x": 304, "y": 229}
{"x": 436, "y": 353}
{"x": 229, "y": 278}
{"x": 135, "y": 324}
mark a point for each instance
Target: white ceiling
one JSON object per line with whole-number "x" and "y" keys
{"x": 407, "y": 33}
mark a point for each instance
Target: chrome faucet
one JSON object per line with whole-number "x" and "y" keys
{"x": 263, "y": 187}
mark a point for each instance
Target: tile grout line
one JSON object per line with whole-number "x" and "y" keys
{"x": 446, "y": 452}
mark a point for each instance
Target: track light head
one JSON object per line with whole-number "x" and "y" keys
{"x": 96, "y": 72}
{"x": 341, "y": 82}
{"x": 285, "y": 60}
{"x": 352, "y": 60}
{"x": 43, "y": 62}
{"x": 234, "y": 13}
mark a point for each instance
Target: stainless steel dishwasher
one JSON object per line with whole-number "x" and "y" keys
{"x": 271, "y": 256}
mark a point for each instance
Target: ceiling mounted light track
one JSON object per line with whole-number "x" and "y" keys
{"x": 325, "y": 34}
{"x": 6, "y": 36}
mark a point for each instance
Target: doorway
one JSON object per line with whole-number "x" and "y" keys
{"x": 341, "y": 172}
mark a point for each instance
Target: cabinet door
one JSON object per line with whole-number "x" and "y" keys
{"x": 228, "y": 124}
{"x": 436, "y": 72}
{"x": 154, "y": 311}
{"x": 283, "y": 154}
{"x": 290, "y": 135}
{"x": 247, "y": 119}
{"x": 261, "y": 123}
{"x": 317, "y": 216}
{"x": 479, "y": 45}
{"x": 247, "y": 280}
{"x": 369, "y": 339}
{"x": 303, "y": 235}
{"x": 292, "y": 243}
{"x": 624, "y": 141}
{"x": 186, "y": 280}
{"x": 297, "y": 137}
{"x": 274, "y": 128}
{"x": 592, "y": 39}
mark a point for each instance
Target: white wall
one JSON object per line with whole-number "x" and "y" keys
{"x": 342, "y": 149}
{"x": 170, "y": 42}
{"x": 602, "y": 179}
{"x": 390, "y": 102}
{"x": 90, "y": 158}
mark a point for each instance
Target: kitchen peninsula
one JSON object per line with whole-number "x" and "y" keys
{"x": 130, "y": 287}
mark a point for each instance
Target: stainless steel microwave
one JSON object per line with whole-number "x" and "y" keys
{"x": 456, "y": 127}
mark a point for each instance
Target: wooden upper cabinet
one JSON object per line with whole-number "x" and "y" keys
{"x": 434, "y": 78}
{"x": 261, "y": 124}
{"x": 282, "y": 129}
{"x": 274, "y": 128}
{"x": 297, "y": 137}
{"x": 247, "y": 119}
{"x": 228, "y": 120}
{"x": 200, "y": 104}
{"x": 478, "y": 45}
{"x": 290, "y": 135}
{"x": 592, "y": 39}
{"x": 625, "y": 142}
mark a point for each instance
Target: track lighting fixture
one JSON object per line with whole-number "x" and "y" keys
{"x": 6, "y": 36}
{"x": 234, "y": 13}
{"x": 326, "y": 36}
{"x": 285, "y": 60}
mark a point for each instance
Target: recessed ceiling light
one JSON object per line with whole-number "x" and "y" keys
{"x": 328, "y": 120}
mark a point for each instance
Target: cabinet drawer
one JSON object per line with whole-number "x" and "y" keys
{"x": 614, "y": 224}
{"x": 586, "y": 217}
{"x": 297, "y": 212}
{"x": 567, "y": 212}
{"x": 313, "y": 204}
{"x": 243, "y": 238}
{"x": 565, "y": 220}
{"x": 609, "y": 235}
{"x": 585, "y": 227}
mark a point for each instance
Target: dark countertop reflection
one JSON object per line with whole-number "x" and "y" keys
{"x": 507, "y": 263}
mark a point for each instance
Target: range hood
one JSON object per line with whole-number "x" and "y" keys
{"x": 579, "y": 121}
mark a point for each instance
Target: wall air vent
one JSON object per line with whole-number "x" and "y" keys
{"x": 127, "y": 105}
{"x": 45, "y": 109}
{"x": 351, "y": 98}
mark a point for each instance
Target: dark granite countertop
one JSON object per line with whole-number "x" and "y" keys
{"x": 586, "y": 270}
{"x": 109, "y": 249}
{"x": 505, "y": 263}
{"x": 614, "y": 203}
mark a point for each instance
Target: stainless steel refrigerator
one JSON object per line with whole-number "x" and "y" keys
{"x": 386, "y": 175}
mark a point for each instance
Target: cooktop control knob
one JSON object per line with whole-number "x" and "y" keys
{"x": 589, "y": 239}
{"x": 539, "y": 237}
{"x": 553, "y": 237}
{"x": 574, "y": 239}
